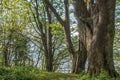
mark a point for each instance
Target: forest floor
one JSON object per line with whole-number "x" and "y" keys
{"x": 30, "y": 73}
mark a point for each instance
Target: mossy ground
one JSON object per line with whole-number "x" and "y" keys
{"x": 30, "y": 73}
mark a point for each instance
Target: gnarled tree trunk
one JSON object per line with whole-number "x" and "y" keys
{"x": 101, "y": 48}
{"x": 97, "y": 18}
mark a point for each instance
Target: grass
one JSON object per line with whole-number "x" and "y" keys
{"x": 30, "y": 73}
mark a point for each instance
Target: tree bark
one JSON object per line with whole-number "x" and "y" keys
{"x": 101, "y": 49}
{"x": 97, "y": 18}
{"x": 49, "y": 63}
{"x": 79, "y": 59}
{"x": 84, "y": 29}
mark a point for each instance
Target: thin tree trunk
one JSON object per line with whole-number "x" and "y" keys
{"x": 6, "y": 58}
{"x": 5, "y": 50}
{"x": 49, "y": 63}
{"x": 16, "y": 57}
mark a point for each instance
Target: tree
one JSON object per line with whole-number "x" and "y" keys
{"x": 95, "y": 19}
{"x": 47, "y": 35}
{"x": 79, "y": 56}
{"x": 11, "y": 25}
{"x": 98, "y": 17}
{"x": 101, "y": 49}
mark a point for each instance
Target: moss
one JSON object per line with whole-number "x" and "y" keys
{"x": 30, "y": 73}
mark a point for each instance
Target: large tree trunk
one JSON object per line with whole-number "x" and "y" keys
{"x": 101, "y": 48}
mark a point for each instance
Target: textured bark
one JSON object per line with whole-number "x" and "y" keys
{"x": 101, "y": 48}
{"x": 97, "y": 19}
{"x": 79, "y": 59}
{"x": 96, "y": 26}
{"x": 84, "y": 28}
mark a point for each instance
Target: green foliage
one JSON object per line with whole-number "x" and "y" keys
{"x": 103, "y": 76}
{"x": 16, "y": 73}
{"x": 117, "y": 37}
{"x": 30, "y": 73}
{"x": 15, "y": 18}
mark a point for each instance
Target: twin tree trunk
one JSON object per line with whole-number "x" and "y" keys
{"x": 100, "y": 54}
{"x": 98, "y": 19}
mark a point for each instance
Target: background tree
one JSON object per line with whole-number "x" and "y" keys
{"x": 116, "y": 39}
{"x": 11, "y": 25}
{"x": 47, "y": 33}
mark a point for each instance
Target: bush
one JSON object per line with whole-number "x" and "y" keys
{"x": 15, "y": 73}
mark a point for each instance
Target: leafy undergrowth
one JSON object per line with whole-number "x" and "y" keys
{"x": 30, "y": 73}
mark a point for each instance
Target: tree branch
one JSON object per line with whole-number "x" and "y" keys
{"x": 55, "y": 12}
